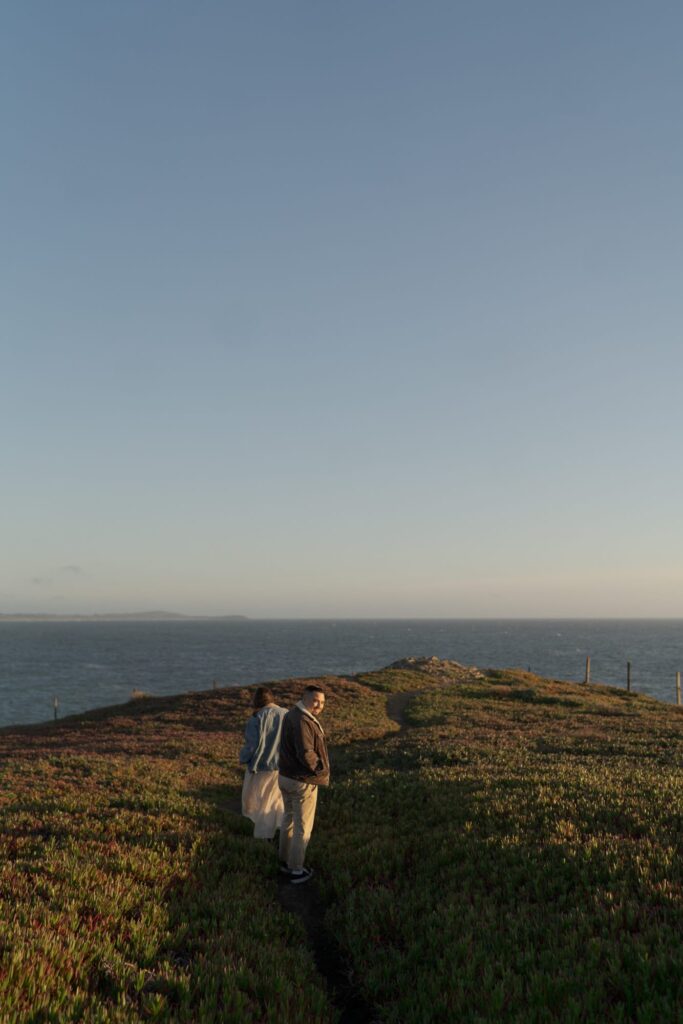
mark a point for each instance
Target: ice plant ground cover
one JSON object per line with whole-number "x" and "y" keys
{"x": 512, "y": 853}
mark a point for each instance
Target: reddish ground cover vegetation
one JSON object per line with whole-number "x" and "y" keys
{"x": 508, "y": 850}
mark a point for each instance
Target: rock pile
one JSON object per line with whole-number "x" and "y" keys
{"x": 437, "y": 666}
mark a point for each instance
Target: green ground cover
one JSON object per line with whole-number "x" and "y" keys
{"x": 511, "y": 854}
{"x": 129, "y": 888}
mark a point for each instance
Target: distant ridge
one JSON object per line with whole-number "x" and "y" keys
{"x": 154, "y": 616}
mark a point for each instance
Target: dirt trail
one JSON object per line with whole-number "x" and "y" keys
{"x": 304, "y": 901}
{"x": 397, "y": 704}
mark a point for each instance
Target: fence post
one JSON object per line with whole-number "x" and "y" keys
{"x": 55, "y": 705}
{"x": 628, "y": 676}
{"x": 678, "y": 688}
{"x": 588, "y": 670}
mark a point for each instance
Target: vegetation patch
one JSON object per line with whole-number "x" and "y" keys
{"x": 511, "y": 850}
{"x": 129, "y": 887}
{"x": 483, "y": 874}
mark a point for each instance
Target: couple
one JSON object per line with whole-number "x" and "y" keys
{"x": 286, "y": 758}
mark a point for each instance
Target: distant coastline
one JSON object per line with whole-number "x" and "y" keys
{"x": 118, "y": 617}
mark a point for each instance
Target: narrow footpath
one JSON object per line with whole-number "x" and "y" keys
{"x": 396, "y": 707}
{"x": 304, "y": 902}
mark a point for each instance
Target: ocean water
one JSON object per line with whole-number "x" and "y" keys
{"x": 94, "y": 664}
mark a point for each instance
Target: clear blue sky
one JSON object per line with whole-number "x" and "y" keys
{"x": 341, "y": 309}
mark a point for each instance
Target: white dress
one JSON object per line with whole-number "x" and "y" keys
{"x": 262, "y": 802}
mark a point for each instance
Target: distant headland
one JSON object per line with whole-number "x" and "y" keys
{"x": 155, "y": 616}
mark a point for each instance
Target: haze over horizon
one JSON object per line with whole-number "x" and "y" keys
{"x": 170, "y": 616}
{"x": 342, "y": 311}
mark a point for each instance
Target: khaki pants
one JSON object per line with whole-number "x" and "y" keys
{"x": 299, "y": 799}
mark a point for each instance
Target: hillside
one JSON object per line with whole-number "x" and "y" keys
{"x": 494, "y": 847}
{"x": 153, "y": 616}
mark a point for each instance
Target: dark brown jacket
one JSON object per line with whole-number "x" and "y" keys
{"x": 303, "y": 751}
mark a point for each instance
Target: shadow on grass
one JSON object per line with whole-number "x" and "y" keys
{"x": 449, "y": 906}
{"x": 231, "y": 953}
{"x": 303, "y": 906}
{"x": 525, "y": 696}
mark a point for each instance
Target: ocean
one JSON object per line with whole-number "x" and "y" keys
{"x": 93, "y": 664}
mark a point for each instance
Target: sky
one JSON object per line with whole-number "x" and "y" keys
{"x": 314, "y": 309}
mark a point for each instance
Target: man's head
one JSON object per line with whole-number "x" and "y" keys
{"x": 314, "y": 699}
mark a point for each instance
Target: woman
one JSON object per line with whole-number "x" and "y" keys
{"x": 261, "y": 797}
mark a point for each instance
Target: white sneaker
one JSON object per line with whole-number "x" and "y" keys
{"x": 297, "y": 877}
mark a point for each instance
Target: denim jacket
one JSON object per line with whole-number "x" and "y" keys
{"x": 261, "y": 750}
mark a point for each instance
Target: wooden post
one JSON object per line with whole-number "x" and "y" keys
{"x": 628, "y": 676}
{"x": 588, "y": 670}
{"x": 55, "y": 705}
{"x": 678, "y": 688}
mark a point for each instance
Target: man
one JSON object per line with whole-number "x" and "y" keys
{"x": 304, "y": 765}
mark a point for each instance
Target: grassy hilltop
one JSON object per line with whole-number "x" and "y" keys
{"x": 494, "y": 847}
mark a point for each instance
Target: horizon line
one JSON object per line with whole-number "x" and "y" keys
{"x": 164, "y": 615}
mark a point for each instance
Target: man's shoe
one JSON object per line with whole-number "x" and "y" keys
{"x": 297, "y": 877}
{"x": 282, "y": 867}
